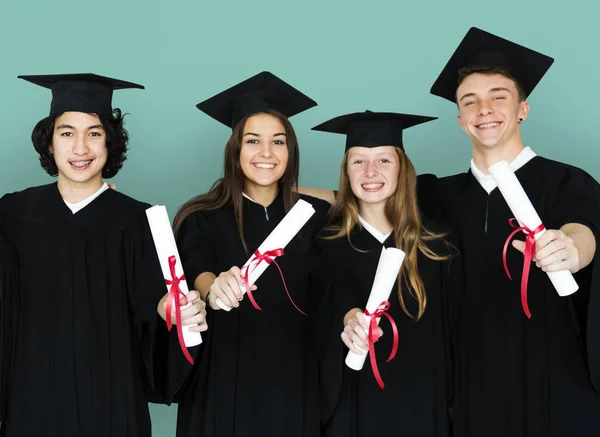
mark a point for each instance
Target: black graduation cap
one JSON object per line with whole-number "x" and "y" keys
{"x": 372, "y": 129}
{"x": 85, "y": 92}
{"x": 260, "y": 92}
{"x": 482, "y": 49}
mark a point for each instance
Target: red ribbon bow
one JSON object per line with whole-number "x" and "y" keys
{"x": 268, "y": 257}
{"x": 175, "y": 293}
{"x": 373, "y": 337}
{"x": 528, "y": 255}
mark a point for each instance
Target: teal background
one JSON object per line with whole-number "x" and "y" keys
{"x": 349, "y": 56}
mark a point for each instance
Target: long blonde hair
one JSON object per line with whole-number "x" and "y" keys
{"x": 403, "y": 213}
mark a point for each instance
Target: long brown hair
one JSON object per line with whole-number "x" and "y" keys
{"x": 228, "y": 190}
{"x": 403, "y": 213}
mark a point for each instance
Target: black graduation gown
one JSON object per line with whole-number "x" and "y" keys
{"x": 518, "y": 376}
{"x": 87, "y": 329}
{"x": 8, "y": 286}
{"x": 257, "y": 376}
{"x": 418, "y": 382}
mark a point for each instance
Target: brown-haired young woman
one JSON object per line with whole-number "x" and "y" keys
{"x": 377, "y": 207}
{"x": 257, "y": 375}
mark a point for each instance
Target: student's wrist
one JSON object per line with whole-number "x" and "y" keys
{"x": 351, "y": 314}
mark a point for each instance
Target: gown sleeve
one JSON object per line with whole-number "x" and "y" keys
{"x": 9, "y": 308}
{"x": 333, "y": 297}
{"x": 431, "y": 199}
{"x": 162, "y": 364}
{"x": 593, "y": 323}
{"x": 6, "y": 202}
{"x": 453, "y": 287}
{"x": 321, "y": 214}
{"x": 9, "y": 311}
{"x": 578, "y": 201}
{"x": 196, "y": 241}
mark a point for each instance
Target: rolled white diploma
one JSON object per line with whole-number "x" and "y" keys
{"x": 525, "y": 213}
{"x": 388, "y": 268}
{"x": 283, "y": 233}
{"x": 165, "y": 245}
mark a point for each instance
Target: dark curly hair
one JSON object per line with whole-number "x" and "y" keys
{"x": 117, "y": 139}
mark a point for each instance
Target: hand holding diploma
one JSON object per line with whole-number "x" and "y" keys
{"x": 193, "y": 316}
{"x": 227, "y": 289}
{"x": 532, "y": 226}
{"x": 265, "y": 255}
{"x": 177, "y": 290}
{"x": 554, "y": 251}
{"x": 377, "y": 305}
{"x": 355, "y": 333}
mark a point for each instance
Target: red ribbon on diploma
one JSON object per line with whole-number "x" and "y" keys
{"x": 268, "y": 257}
{"x": 373, "y": 337}
{"x": 175, "y": 293}
{"x": 528, "y": 255}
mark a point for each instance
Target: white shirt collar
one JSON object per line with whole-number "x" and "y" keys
{"x": 248, "y": 197}
{"x": 487, "y": 181}
{"x": 252, "y": 200}
{"x": 379, "y": 236}
{"x": 76, "y": 207}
